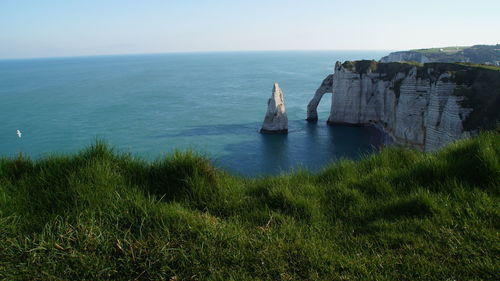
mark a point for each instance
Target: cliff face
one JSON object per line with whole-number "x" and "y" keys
{"x": 405, "y": 56}
{"x": 417, "y": 105}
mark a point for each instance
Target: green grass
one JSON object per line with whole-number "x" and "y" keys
{"x": 483, "y": 66}
{"x": 477, "y": 54}
{"x": 394, "y": 215}
{"x": 441, "y": 50}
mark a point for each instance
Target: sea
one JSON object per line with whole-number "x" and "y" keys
{"x": 152, "y": 105}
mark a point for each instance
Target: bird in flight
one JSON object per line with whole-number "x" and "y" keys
{"x": 18, "y": 133}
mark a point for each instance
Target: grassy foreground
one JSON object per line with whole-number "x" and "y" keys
{"x": 394, "y": 215}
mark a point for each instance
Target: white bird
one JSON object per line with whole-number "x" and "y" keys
{"x": 18, "y": 133}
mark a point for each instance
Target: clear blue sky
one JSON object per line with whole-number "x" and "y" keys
{"x": 48, "y": 28}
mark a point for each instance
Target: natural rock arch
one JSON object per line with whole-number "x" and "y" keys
{"x": 312, "y": 107}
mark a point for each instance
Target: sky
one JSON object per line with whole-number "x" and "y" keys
{"x": 54, "y": 28}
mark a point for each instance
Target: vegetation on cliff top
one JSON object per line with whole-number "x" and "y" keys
{"x": 475, "y": 54}
{"x": 388, "y": 70}
{"x": 395, "y": 215}
{"x": 483, "y": 54}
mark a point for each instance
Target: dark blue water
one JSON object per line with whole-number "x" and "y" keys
{"x": 150, "y": 105}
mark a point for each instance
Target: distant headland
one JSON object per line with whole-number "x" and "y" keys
{"x": 482, "y": 54}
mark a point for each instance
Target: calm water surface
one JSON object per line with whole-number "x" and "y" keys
{"x": 150, "y": 105}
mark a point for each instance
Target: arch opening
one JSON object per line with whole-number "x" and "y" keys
{"x": 312, "y": 107}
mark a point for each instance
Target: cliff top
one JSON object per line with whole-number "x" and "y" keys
{"x": 427, "y": 70}
{"x": 483, "y": 50}
{"x": 484, "y": 54}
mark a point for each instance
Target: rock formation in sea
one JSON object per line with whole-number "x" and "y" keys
{"x": 422, "y": 106}
{"x": 326, "y": 87}
{"x": 276, "y": 120}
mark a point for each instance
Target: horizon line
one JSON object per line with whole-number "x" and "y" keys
{"x": 191, "y": 52}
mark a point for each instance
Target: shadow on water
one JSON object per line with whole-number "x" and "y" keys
{"x": 215, "y": 130}
{"x": 307, "y": 145}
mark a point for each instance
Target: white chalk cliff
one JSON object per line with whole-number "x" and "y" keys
{"x": 276, "y": 120}
{"x": 480, "y": 54}
{"x": 405, "y": 56}
{"x": 326, "y": 87}
{"x": 416, "y": 111}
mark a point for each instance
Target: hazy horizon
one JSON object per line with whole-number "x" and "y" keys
{"x": 191, "y": 52}
{"x": 35, "y": 29}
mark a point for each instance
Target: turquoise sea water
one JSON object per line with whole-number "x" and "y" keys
{"x": 150, "y": 105}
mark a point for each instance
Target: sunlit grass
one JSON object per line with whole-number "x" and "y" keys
{"x": 394, "y": 215}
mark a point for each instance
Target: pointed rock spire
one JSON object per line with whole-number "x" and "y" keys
{"x": 276, "y": 120}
